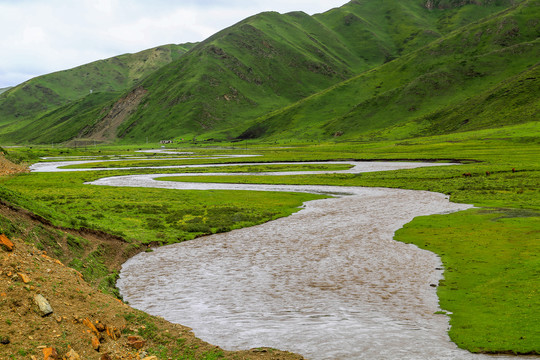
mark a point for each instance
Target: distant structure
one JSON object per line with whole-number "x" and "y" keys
{"x": 91, "y": 91}
{"x": 166, "y": 142}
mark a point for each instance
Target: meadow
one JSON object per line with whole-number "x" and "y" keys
{"x": 490, "y": 253}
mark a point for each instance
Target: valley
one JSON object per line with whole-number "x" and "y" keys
{"x": 358, "y": 183}
{"x": 506, "y": 201}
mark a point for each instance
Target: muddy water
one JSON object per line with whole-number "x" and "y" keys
{"x": 327, "y": 282}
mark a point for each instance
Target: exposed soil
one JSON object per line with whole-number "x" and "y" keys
{"x": 25, "y": 332}
{"x": 9, "y": 168}
{"x": 105, "y": 129}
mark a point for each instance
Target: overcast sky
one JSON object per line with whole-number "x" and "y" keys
{"x": 42, "y": 36}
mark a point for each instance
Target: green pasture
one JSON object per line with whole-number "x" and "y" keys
{"x": 144, "y": 215}
{"x": 491, "y": 281}
{"x": 490, "y": 253}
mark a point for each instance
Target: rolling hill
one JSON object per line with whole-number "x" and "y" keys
{"x": 479, "y": 76}
{"x": 270, "y": 60}
{"x": 353, "y": 71}
{"x": 27, "y": 102}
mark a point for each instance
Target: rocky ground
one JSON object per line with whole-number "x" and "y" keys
{"x": 48, "y": 311}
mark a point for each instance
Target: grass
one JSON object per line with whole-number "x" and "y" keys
{"x": 490, "y": 253}
{"x": 166, "y": 346}
{"x": 479, "y": 76}
{"x": 232, "y": 169}
{"x": 90, "y": 86}
{"x": 145, "y": 216}
{"x": 490, "y": 287}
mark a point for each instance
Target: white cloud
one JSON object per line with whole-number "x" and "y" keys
{"x": 42, "y": 36}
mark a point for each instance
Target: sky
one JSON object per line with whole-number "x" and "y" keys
{"x": 42, "y": 36}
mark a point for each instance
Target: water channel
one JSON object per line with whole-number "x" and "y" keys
{"x": 328, "y": 282}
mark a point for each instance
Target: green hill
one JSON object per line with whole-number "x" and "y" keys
{"x": 270, "y": 60}
{"x": 3, "y": 90}
{"x": 479, "y": 76}
{"x": 25, "y": 103}
{"x": 295, "y": 75}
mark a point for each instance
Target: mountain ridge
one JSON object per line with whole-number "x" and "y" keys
{"x": 445, "y": 68}
{"x": 262, "y": 65}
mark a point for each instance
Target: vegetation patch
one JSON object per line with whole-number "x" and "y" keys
{"x": 489, "y": 287}
{"x": 231, "y": 168}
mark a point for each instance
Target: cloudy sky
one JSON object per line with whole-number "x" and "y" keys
{"x": 42, "y": 36}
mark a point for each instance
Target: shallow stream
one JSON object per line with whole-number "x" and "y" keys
{"x": 327, "y": 282}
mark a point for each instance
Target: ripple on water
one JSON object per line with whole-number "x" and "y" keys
{"x": 328, "y": 282}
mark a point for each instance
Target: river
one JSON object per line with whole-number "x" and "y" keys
{"x": 328, "y": 282}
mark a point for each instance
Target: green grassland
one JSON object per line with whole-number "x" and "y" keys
{"x": 147, "y": 216}
{"x": 490, "y": 253}
{"x": 65, "y": 122}
{"x": 491, "y": 275}
{"x": 239, "y": 168}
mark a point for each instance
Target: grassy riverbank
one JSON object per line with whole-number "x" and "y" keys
{"x": 490, "y": 253}
{"x": 491, "y": 285}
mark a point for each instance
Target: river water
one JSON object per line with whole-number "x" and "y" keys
{"x": 328, "y": 282}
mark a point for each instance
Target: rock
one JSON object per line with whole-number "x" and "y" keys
{"x": 50, "y": 354}
{"x": 136, "y": 342}
{"x": 4, "y": 340}
{"x": 106, "y": 357}
{"x": 25, "y": 278}
{"x": 100, "y": 327}
{"x": 91, "y": 326}
{"x": 72, "y": 355}
{"x": 150, "y": 358}
{"x": 113, "y": 332}
{"x": 5, "y": 243}
{"x": 95, "y": 343}
{"x": 43, "y": 304}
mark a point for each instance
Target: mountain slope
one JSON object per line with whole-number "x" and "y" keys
{"x": 270, "y": 60}
{"x": 420, "y": 92}
{"x": 28, "y": 101}
{"x": 261, "y": 64}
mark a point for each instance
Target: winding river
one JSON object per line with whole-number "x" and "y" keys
{"x": 328, "y": 282}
